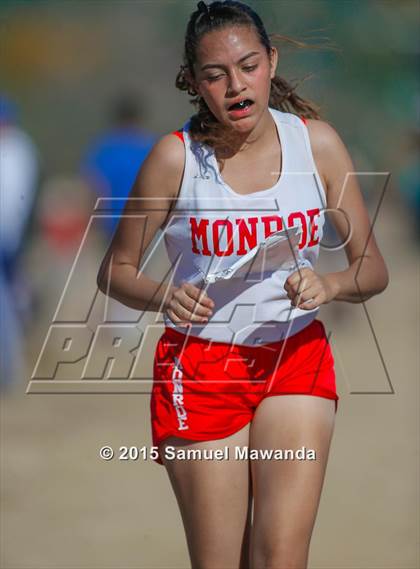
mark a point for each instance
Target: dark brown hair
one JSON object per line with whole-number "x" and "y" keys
{"x": 204, "y": 127}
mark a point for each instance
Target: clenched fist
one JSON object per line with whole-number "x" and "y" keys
{"x": 308, "y": 290}
{"x": 189, "y": 304}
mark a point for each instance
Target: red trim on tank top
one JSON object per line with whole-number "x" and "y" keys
{"x": 179, "y": 134}
{"x": 304, "y": 120}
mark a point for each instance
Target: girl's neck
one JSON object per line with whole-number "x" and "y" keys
{"x": 250, "y": 141}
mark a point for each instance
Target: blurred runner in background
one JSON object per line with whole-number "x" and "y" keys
{"x": 112, "y": 161}
{"x": 19, "y": 182}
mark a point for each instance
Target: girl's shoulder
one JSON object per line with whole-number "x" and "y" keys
{"x": 329, "y": 151}
{"x": 325, "y": 140}
{"x": 163, "y": 167}
{"x": 168, "y": 151}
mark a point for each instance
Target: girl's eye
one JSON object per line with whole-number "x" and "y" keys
{"x": 250, "y": 67}
{"x": 247, "y": 68}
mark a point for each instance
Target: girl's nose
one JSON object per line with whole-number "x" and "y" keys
{"x": 236, "y": 84}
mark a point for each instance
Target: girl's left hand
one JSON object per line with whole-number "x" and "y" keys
{"x": 308, "y": 290}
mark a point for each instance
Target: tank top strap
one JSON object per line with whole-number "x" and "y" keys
{"x": 186, "y": 190}
{"x": 179, "y": 133}
{"x": 298, "y": 154}
{"x": 320, "y": 188}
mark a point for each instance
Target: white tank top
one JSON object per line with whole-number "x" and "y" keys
{"x": 211, "y": 225}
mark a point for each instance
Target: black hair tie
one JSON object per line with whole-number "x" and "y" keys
{"x": 204, "y": 9}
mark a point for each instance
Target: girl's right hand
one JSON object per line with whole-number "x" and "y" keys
{"x": 189, "y": 303}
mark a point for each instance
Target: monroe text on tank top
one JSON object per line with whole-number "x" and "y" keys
{"x": 212, "y": 226}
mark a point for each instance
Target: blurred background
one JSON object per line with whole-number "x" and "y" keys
{"x": 86, "y": 88}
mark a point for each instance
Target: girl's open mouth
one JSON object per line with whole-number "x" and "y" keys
{"x": 241, "y": 109}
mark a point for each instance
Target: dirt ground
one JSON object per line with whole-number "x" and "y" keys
{"x": 64, "y": 507}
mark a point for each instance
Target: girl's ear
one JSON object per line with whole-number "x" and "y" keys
{"x": 273, "y": 62}
{"x": 191, "y": 81}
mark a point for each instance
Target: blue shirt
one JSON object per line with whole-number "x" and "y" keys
{"x": 112, "y": 163}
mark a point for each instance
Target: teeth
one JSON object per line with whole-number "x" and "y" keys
{"x": 241, "y": 105}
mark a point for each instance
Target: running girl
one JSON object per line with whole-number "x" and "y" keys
{"x": 243, "y": 362}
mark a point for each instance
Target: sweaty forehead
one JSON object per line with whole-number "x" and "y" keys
{"x": 227, "y": 45}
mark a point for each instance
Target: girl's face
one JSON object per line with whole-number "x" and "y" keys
{"x": 232, "y": 66}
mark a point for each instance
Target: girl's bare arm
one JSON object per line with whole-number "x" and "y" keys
{"x": 150, "y": 200}
{"x": 367, "y": 274}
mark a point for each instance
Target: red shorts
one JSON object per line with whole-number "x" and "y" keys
{"x": 204, "y": 390}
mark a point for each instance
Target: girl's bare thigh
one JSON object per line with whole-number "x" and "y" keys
{"x": 215, "y": 501}
{"x": 287, "y": 492}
